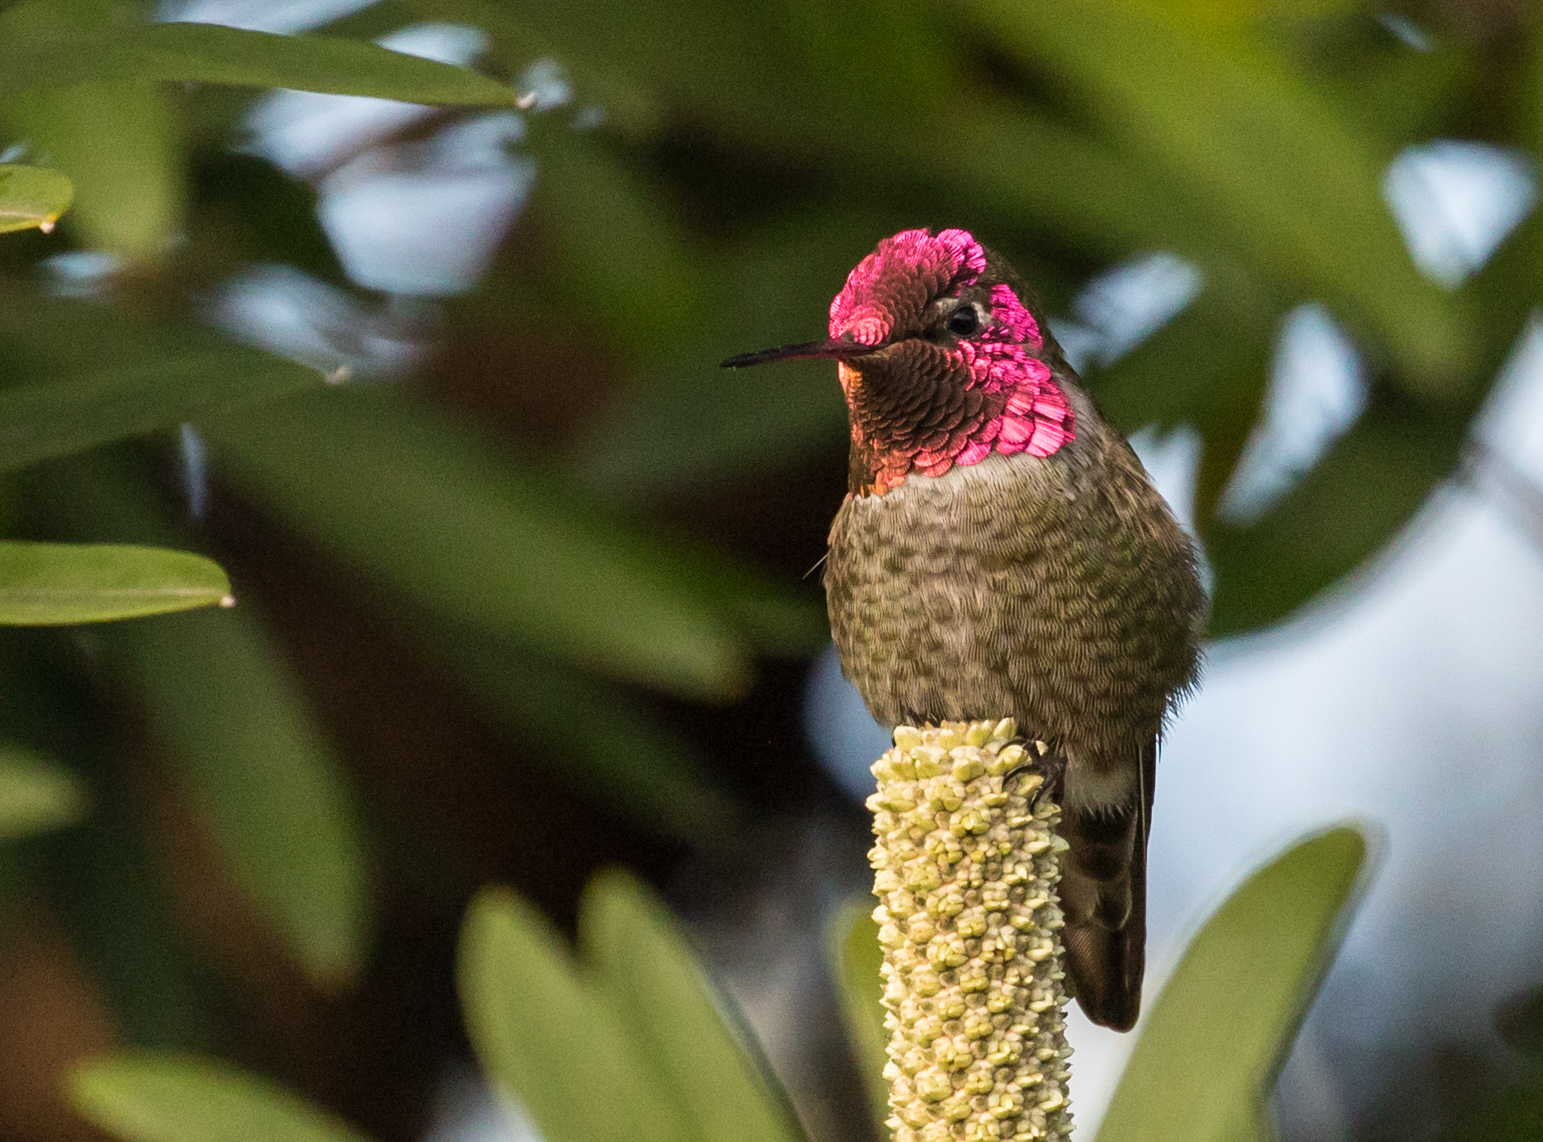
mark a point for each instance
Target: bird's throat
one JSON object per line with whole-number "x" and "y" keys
{"x": 925, "y": 409}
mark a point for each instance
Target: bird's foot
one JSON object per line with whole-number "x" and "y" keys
{"x": 1048, "y": 763}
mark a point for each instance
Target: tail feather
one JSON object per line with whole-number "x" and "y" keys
{"x": 1103, "y": 895}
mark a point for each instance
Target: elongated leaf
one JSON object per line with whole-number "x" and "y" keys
{"x": 32, "y": 198}
{"x": 624, "y": 255}
{"x": 169, "y": 1098}
{"x": 111, "y": 893}
{"x": 437, "y": 513}
{"x": 1213, "y": 1043}
{"x": 654, "y": 985}
{"x": 49, "y": 584}
{"x": 72, "y": 414}
{"x": 623, "y": 756}
{"x": 855, "y": 957}
{"x": 1258, "y": 152}
{"x": 77, "y": 374}
{"x": 209, "y": 53}
{"x": 120, "y": 145}
{"x": 246, "y": 742}
{"x": 36, "y": 795}
{"x": 549, "y": 1038}
{"x": 629, "y": 106}
{"x": 1341, "y": 514}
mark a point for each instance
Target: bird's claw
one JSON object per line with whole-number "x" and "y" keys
{"x": 1049, "y": 763}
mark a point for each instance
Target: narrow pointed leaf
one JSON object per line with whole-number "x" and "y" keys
{"x": 120, "y": 145}
{"x": 232, "y": 715}
{"x": 1255, "y": 148}
{"x": 74, "y": 375}
{"x": 168, "y": 1098}
{"x": 247, "y": 743}
{"x": 38, "y": 422}
{"x": 210, "y": 53}
{"x": 1341, "y": 513}
{"x": 49, "y": 584}
{"x": 438, "y": 513}
{"x": 32, "y": 198}
{"x": 629, "y": 107}
{"x": 855, "y": 959}
{"x": 1211, "y": 1047}
{"x": 36, "y": 795}
{"x": 654, "y": 985}
{"x": 549, "y": 1038}
{"x": 625, "y": 756}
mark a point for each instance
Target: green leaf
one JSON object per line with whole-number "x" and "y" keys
{"x": 549, "y": 1037}
{"x": 689, "y": 425}
{"x": 630, "y": 108}
{"x": 624, "y": 756}
{"x": 76, "y": 375}
{"x": 1339, "y": 515}
{"x": 654, "y": 985}
{"x": 36, "y": 795}
{"x": 855, "y": 958}
{"x": 622, "y": 254}
{"x": 38, "y": 422}
{"x": 49, "y": 584}
{"x": 32, "y": 198}
{"x": 238, "y": 728}
{"x": 1257, "y": 151}
{"x": 437, "y": 513}
{"x": 120, "y": 145}
{"x": 242, "y": 735}
{"x": 149, "y": 1097}
{"x": 1214, "y": 1042}
{"x": 210, "y": 53}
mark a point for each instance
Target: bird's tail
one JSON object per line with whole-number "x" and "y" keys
{"x": 1103, "y": 895}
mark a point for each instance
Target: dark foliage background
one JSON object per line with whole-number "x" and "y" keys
{"x": 522, "y": 576}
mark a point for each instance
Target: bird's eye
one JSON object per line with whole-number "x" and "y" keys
{"x": 963, "y": 321}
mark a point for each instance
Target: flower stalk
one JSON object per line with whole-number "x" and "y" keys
{"x": 966, "y": 870}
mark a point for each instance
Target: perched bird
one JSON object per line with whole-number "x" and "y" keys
{"x": 1001, "y": 552}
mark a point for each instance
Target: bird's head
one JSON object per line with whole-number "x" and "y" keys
{"x": 940, "y": 358}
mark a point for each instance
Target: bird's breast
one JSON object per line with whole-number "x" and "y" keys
{"x": 1049, "y": 588}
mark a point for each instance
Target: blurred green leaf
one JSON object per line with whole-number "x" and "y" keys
{"x": 1221, "y": 17}
{"x": 626, "y": 758}
{"x": 1260, "y": 154}
{"x": 630, "y": 107}
{"x": 852, "y": 940}
{"x": 1021, "y": 168}
{"x": 1529, "y": 104}
{"x": 438, "y": 513}
{"x": 1341, "y": 513}
{"x": 210, "y": 53}
{"x": 149, "y": 1097}
{"x": 32, "y": 198}
{"x": 48, "y": 584}
{"x": 243, "y": 737}
{"x": 1211, "y": 1046}
{"x": 713, "y": 61}
{"x": 1520, "y": 1022}
{"x": 549, "y": 1037}
{"x": 623, "y": 254}
{"x": 689, "y": 425}
{"x": 36, "y": 795}
{"x": 654, "y": 985}
{"x": 38, "y": 422}
{"x": 119, "y": 144}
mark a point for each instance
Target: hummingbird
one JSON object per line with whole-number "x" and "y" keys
{"x": 1002, "y": 552}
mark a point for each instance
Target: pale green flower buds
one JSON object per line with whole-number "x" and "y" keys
{"x": 966, "y": 872}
